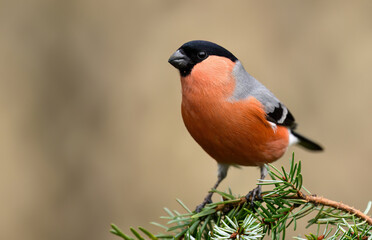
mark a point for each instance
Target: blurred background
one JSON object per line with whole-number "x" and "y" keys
{"x": 90, "y": 124}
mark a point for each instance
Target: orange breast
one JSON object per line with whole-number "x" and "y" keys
{"x": 232, "y": 132}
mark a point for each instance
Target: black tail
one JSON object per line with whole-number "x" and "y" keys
{"x": 306, "y": 143}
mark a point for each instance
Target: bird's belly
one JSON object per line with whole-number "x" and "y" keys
{"x": 235, "y": 132}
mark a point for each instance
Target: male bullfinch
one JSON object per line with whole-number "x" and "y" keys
{"x": 230, "y": 114}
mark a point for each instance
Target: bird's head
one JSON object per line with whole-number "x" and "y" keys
{"x": 194, "y": 52}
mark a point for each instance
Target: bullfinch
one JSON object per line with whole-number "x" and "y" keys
{"x": 230, "y": 114}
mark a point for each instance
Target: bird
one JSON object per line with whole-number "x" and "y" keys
{"x": 230, "y": 114}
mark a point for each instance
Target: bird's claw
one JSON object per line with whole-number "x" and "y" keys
{"x": 254, "y": 195}
{"x": 206, "y": 201}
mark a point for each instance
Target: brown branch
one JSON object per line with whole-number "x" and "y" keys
{"x": 310, "y": 199}
{"x": 338, "y": 205}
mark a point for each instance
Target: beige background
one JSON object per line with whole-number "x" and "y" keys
{"x": 90, "y": 124}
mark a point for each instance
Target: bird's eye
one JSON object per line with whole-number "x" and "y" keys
{"x": 202, "y": 55}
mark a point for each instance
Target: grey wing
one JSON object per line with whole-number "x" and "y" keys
{"x": 247, "y": 86}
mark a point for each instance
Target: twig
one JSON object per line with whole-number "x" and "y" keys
{"x": 310, "y": 199}
{"x": 338, "y": 205}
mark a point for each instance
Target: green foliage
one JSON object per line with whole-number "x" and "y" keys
{"x": 282, "y": 207}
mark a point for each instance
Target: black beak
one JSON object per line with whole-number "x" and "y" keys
{"x": 179, "y": 60}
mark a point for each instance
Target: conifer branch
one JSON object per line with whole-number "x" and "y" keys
{"x": 280, "y": 208}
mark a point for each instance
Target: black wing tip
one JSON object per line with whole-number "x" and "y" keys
{"x": 277, "y": 114}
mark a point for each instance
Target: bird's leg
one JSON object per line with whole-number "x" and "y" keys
{"x": 222, "y": 172}
{"x": 256, "y": 192}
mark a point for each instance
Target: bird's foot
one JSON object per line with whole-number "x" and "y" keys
{"x": 254, "y": 195}
{"x": 207, "y": 200}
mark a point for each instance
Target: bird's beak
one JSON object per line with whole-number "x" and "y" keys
{"x": 179, "y": 59}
